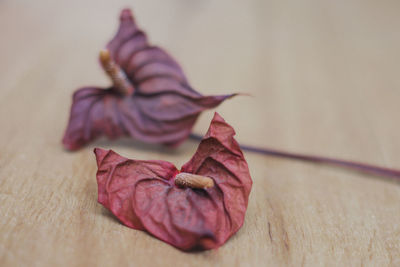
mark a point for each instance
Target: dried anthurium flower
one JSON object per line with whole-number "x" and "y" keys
{"x": 198, "y": 207}
{"x": 150, "y": 99}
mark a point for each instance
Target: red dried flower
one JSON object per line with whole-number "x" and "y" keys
{"x": 198, "y": 207}
{"x": 150, "y": 99}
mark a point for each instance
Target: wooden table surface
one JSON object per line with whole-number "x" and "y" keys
{"x": 324, "y": 79}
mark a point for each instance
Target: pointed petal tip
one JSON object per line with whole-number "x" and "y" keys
{"x": 242, "y": 94}
{"x": 234, "y": 94}
{"x": 220, "y": 129}
{"x": 229, "y": 96}
{"x": 126, "y": 14}
{"x": 100, "y": 154}
{"x": 217, "y": 117}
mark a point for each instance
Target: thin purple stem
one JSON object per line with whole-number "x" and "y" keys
{"x": 363, "y": 167}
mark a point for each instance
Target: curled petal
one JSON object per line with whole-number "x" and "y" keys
{"x": 162, "y": 108}
{"x": 143, "y": 195}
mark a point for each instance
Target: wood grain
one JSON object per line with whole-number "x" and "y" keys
{"x": 324, "y": 79}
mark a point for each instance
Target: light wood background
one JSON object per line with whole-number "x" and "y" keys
{"x": 324, "y": 79}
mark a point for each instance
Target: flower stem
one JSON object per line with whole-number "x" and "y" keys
{"x": 363, "y": 167}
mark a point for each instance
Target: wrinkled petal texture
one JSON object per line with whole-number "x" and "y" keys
{"x": 163, "y": 108}
{"x": 142, "y": 194}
